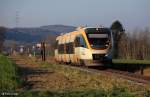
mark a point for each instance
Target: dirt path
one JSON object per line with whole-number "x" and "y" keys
{"x": 36, "y": 77}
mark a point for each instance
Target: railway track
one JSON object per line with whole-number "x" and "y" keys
{"x": 137, "y": 78}
{"x": 130, "y": 76}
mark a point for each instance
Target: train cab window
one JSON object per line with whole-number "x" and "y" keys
{"x": 98, "y": 37}
{"x": 80, "y": 42}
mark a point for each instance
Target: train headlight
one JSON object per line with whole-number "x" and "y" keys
{"x": 106, "y": 55}
{"x": 106, "y": 45}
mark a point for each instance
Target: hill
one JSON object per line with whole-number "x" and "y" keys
{"x": 36, "y": 34}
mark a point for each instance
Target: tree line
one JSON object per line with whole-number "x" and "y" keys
{"x": 130, "y": 45}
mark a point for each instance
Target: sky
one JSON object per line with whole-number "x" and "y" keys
{"x": 33, "y": 13}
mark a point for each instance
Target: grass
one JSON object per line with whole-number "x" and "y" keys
{"x": 116, "y": 92}
{"x": 129, "y": 61}
{"x": 81, "y": 80}
{"x": 82, "y": 84}
{"x": 8, "y": 74}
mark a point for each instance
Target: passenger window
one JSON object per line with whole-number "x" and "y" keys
{"x": 77, "y": 42}
{"x": 61, "y": 49}
{"x": 80, "y": 42}
{"x": 69, "y": 48}
{"x": 56, "y": 44}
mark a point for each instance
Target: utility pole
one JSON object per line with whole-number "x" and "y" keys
{"x": 43, "y": 54}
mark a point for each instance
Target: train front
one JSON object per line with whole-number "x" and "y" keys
{"x": 100, "y": 43}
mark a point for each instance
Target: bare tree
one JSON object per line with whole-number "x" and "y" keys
{"x": 135, "y": 45}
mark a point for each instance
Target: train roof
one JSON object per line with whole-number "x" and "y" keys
{"x": 80, "y": 28}
{"x": 94, "y": 27}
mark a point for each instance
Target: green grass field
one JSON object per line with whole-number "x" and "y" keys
{"x": 129, "y": 61}
{"x": 8, "y": 74}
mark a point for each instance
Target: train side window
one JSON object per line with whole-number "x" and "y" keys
{"x": 77, "y": 42}
{"x": 64, "y": 46}
{"x": 61, "y": 49}
{"x": 67, "y": 48}
{"x": 71, "y": 48}
{"x": 56, "y": 44}
{"x": 82, "y": 41}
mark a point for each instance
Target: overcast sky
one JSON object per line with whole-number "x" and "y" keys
{"x": 34, "y": 13}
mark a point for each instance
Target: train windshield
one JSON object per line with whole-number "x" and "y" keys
{"x": 99, "y": 38}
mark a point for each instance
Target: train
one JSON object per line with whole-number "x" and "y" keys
{"x": 86, "y": 46}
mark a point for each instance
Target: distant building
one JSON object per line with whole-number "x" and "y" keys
{"x": 21, "y": 50}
